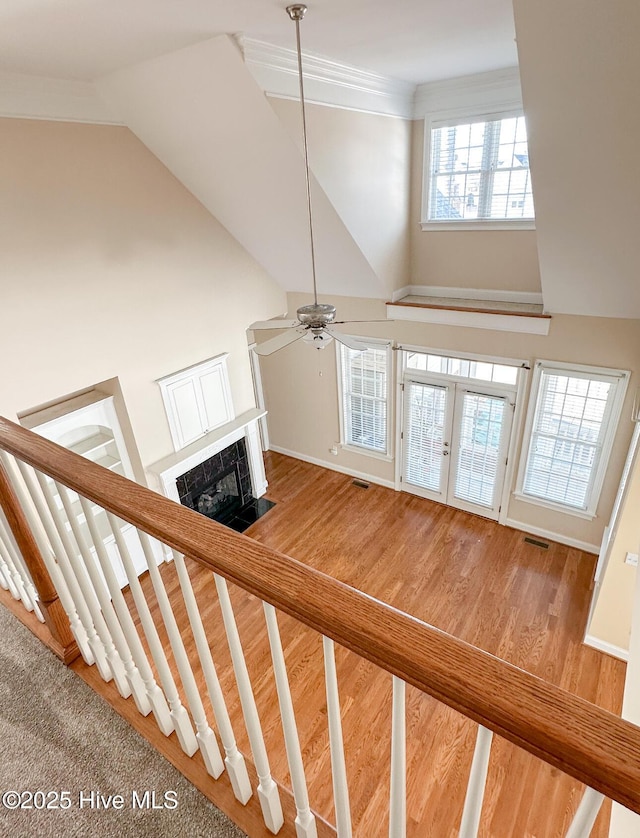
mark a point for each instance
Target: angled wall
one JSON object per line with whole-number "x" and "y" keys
{"x": 579, "y": 69}
{"x": 200, "y": 111}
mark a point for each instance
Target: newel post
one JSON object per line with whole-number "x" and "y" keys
{"x": 61, "y": 642}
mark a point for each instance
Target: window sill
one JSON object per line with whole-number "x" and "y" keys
{"x": 368, "y": 452}
{"x": 586, "y": 514}
{"x": 449, "y": 226}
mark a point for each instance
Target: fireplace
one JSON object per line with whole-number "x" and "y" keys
{"x": 223, "y": 472}
{"x": 220, "y": 488}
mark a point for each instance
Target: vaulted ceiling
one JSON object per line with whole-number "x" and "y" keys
{"x": 415, "y": 40}
{"x": 578, "y": 65}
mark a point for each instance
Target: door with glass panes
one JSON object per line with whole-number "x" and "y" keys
{"x": 455, "y": 439}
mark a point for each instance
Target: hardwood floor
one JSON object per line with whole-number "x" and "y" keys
{"x": 464, "y": 574}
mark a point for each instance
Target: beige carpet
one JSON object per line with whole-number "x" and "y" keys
{"x": 57, "y": 735}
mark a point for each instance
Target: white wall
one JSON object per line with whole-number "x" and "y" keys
{"x": 362, "y": 162}
{"x": 579, "y": 67}
{"x": 110, "y": 268}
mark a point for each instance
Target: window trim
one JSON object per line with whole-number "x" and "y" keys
{"x": 620, "y": 380}
{"x": 458, "y": 117}
{"x": 371, "y": 343}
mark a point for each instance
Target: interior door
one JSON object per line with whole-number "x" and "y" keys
{"x": 454, "y": 444}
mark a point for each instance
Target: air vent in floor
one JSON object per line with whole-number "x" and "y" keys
{"x": 537, "y": 543}
{"x": 361, "y": 484}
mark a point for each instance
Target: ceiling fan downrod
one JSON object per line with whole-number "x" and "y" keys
{"x": 319, "y": 315}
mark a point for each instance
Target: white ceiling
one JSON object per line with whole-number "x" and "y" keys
{"x": 413, "y": 40}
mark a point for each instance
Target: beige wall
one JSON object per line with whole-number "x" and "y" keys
{"x": 611, "y": 621}
{"x": 110, "y": 268}
{"x": 361, "y": 161}
{"x": 504, "y": 260}
{"x": 301, "y": 391}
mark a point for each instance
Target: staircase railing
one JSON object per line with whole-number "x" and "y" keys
{"x": 70, "y": 519}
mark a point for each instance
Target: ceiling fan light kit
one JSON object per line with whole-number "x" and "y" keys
{"x": 313, "y": 321}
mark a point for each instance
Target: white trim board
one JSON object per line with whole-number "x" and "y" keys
{"x": 607, "y": 648}
{"x": 472, "y": 319}
{"x": 327, "y": 82}
{"x": 492, "y": 294}
{"x": 349, "y": 472}
{"x": 552, "y": 536}
{"x": 57, "y": 100}
{"x": 480, "y": 93}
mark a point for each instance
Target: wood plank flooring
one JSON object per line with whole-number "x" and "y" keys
{"x": 465, "y": 575}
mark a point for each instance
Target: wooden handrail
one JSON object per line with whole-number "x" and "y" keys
{"x": 577, "y": 737}
{"x": 62, "y": 642}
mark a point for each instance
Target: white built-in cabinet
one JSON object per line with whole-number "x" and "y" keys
{"x": 197, "y": 400}
{"x": 88, "y": 425}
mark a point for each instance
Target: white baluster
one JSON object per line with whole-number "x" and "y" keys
{"x": 477, "y": 782}
{"x": 58, "y": 570}
{"x": 336, "y": 745}
{"x": 398, "y": 791}
{"x": 136, "y": 664}
{"x": 267, "y": 789}
{"x": 305, "y": 821}
{"x": 3, "y": 580}
{"x": 179, "y": 715}
{"x": 7, "y": 573}
{"x": 13, "y": 562}
{"x": 112, "y": 626}
{"x": 234, "y": 760}
{"x": 586, "y": 814}
{"x": 36, "y": 528}
{"x": 206, "y": 737}
{"x": 76, "y": 578}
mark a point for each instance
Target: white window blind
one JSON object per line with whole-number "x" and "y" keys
{"x": 365, "y": 385}
{"x": 480, "y": 172}
{"x": 571, "y": 436}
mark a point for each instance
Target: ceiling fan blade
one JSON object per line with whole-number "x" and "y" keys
{"x": 348, "y": 341}
{"x": 338, "y": 322}
{"x": 279, "y": 341}
{"x": 274, "y": 324}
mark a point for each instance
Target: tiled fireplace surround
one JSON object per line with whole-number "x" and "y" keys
{"x": 186, "y": 472}
{"x": 196, "y": 480}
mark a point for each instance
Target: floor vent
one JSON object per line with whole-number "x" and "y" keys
{"x": 537, "y": 543}
{"x": 361, "y": 484}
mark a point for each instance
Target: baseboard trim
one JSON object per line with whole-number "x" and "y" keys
{"x": 607, "y": 648}
{"x": 554, "y": 536}
{"x": 350, "y": 472}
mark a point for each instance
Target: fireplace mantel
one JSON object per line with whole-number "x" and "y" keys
{"x": 167, "y": 470}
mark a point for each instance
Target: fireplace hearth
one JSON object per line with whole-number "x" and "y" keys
{"x": 220, "y": 488}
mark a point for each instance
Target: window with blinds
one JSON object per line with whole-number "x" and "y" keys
{"x": 365, "y": 396}
{"x": 570, "y": 435}
{"x": 479, "y": 171}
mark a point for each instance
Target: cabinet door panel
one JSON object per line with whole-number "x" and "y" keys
{"x": 214, "y": 396}
{"x": 186, "y": 410}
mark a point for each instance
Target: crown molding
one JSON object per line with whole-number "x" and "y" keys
{"x": 483, "y": 92}
{"x": 61, "y": 100}
{"x": 327, "y": 82}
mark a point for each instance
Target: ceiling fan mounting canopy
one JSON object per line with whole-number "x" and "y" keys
{"x": 316, "y": 315}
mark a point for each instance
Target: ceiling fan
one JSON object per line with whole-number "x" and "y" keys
{"x": 314, "y": 322}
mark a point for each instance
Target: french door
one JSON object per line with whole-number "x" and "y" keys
{"x": 455, "y": 439}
